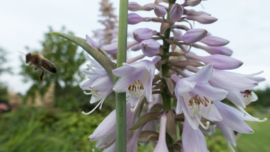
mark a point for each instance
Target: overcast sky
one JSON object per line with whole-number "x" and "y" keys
{"x": 23, "y": 23}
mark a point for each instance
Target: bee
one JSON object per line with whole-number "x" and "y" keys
{"x": 40, "y": 63}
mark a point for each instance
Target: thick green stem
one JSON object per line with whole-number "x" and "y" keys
{"x": 165, "y": 72}
{"x": 120, "y": 98}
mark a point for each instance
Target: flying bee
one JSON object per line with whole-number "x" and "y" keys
{"x": 40, "y": 63}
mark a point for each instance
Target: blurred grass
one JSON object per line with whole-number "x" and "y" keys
{"x": 31, "y": 129}
{"x": 259, "y": 141}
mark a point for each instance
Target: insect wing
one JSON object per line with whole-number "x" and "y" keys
{"x": 46, "y": 64}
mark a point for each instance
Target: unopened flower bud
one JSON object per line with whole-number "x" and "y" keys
{"x": 177, "y": 35}
{"x": 220, "y": 62}
{"x": 135, "y": 47}
{"x": 193, "y": 12}
{"x": 149, "y": 7}
{"x": 176, "y": 13}
{"x": 134, "y": 18}
{"x": 112, "y": 48}
{"x": 192, "y": 2}
{"x": 215, "y": 49}
{"x": 150, "y": 47}
{"x": 214, "y": 41}
{"x": 133, "y": 6}
{"x": 142, "y": 34}
{"x": 160, "y": 11}
{"x": 203, "y": 19}
{"x": 91, "y": 42}
{"x": 161, "y": 144}
{"x": 194, "y": 35}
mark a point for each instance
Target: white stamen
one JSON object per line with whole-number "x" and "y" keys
{"x": 207, "y": 123}
{"x": 87, "y": 113}
{"x": 87, "y": 93}
{"x": 137, "y": 103}
{"x": 201, "y": 113}
{"x": 196, "y": 108}
{"x": 99, "y": 104}
{"x": 254, "y": 118}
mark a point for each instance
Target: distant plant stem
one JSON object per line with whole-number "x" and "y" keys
{"x": 120, "y": 98}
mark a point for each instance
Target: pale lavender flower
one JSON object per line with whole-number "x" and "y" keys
{"x": 143, "y": 34}
{"x": 233, "y": 120}
{"x": 220, "y": 62}
{"x": 222, "y": 50}
{"x": 132, "y": 144}
{"x": 133, "y": 6}
{"x": 195, "y": 97}
{"x": 160, "y": 11}
{"x": 194, "y": 35}
{"x": 135, "y": 47}
{"x": 150, "y": 47}
{"x": 192, "y": 2}
{"x": 237, "y": 86}
{"x": 203, "y": 18}
{"x": 161, "y": 144}
{"x": 214, "y": 41}
{"x": 198, "y": 90}
{"x": 134, "y": 18}
{"x": 176, "y": 13}
{"x": 112, "y": 48}
{"x": 177, "y": 35}
{"x": 98, "y": 82}
{"x": 91, "y": 42}
{"x": 193, "y": 140}
{"x": 105, "y": 133}
{"x": 136, "y": 78}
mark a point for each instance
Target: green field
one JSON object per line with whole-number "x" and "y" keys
{"x": 259, "y": 141}
{"x": 31, "y": 129}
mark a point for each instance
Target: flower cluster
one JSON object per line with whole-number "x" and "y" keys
{"x": 181, "y": 89}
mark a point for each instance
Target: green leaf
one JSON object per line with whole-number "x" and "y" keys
{"x": 102, "y": 59}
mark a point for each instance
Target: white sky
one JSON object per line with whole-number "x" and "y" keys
{"x": 23, "y": 23}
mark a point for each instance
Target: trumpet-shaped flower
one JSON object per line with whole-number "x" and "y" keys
{"x": 161, "y": 144}
{"x": 193, "y": 140}
{"x": 237, "y": 85}
{"x": 98, "y": 82}
{"x": 136, "y": 78}
{"x": 195, "y": 97}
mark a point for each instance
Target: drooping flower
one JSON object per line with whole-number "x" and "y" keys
{"x": 98, "y": 82}
{"x": 161, "y": 144}
{"x": 195, "y": 97}
{"x": 136, "y": 78}
{"x": 233, "y": 120}
{"x": 193, "y": 140}
{"x": 237, "y": 85}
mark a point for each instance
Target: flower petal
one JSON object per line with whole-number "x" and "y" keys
{"x": 203, "y": 75}
{"x": 227, "y": 132}
{"x": 232, "y": 119}
{"x": 193, "y": 140}
{"x": 183, "y": 87}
